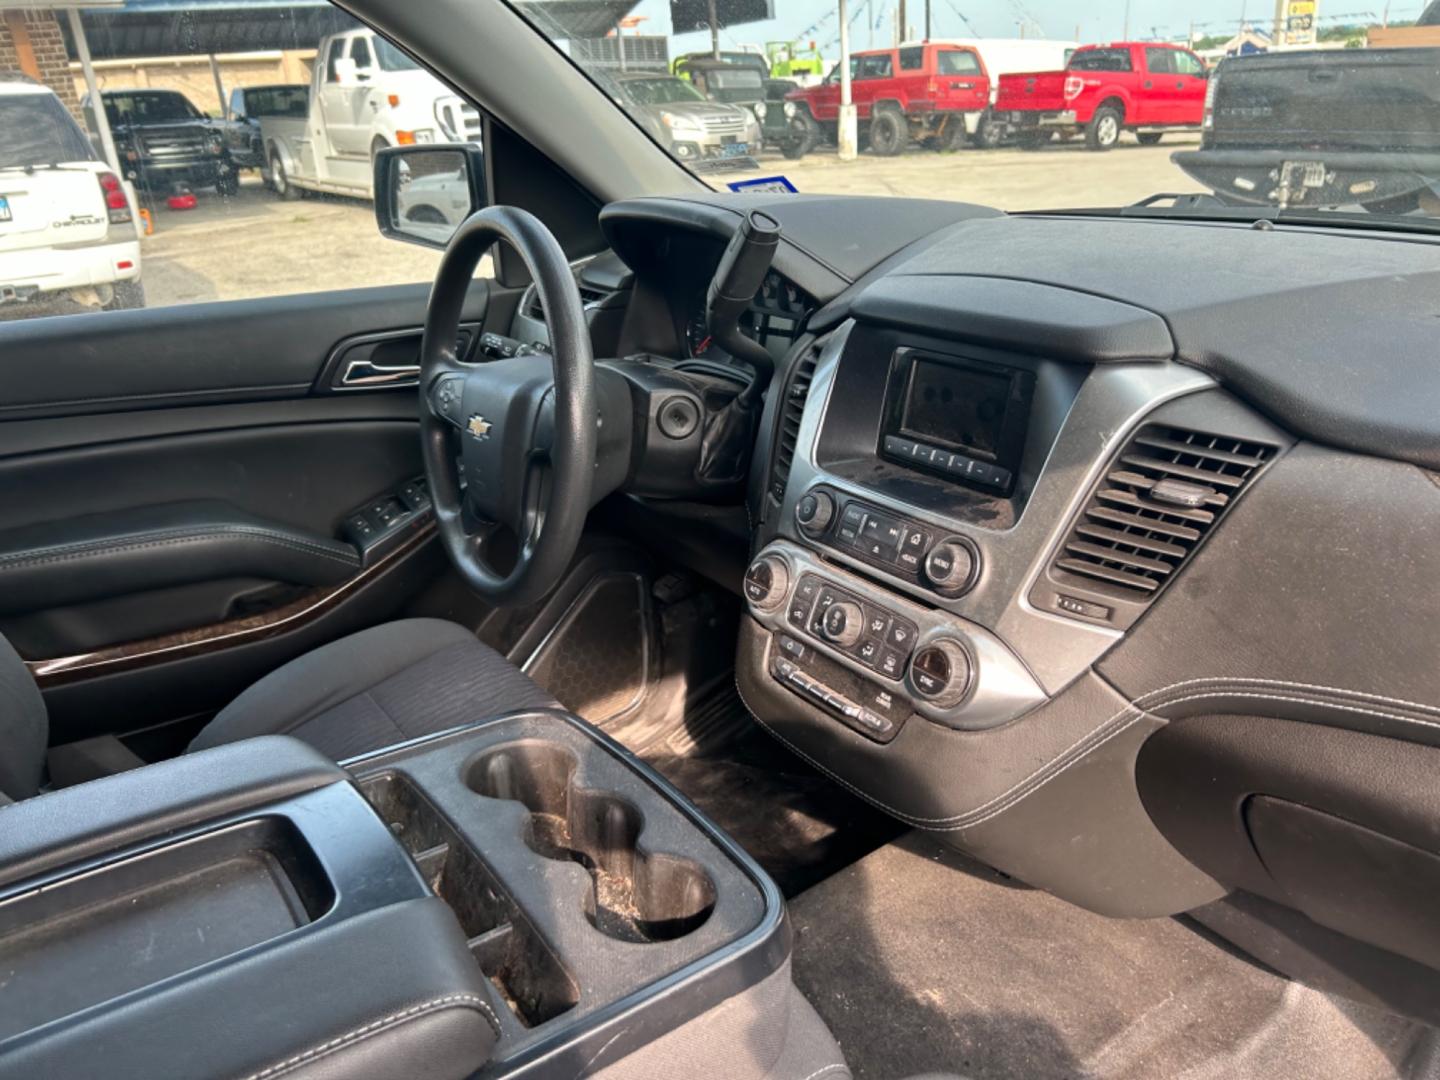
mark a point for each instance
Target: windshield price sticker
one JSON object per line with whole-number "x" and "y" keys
{"x": 765, "y": 185}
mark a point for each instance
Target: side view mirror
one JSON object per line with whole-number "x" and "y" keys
{"x": 423, "y": 193}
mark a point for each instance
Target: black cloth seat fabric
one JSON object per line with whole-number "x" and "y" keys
{"x": 370, "y": 690}
{"x": 382, "y": 686}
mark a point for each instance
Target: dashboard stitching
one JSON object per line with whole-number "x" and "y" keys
{"x": 1239, "y": 683}
{"x": 1079, "y": 750}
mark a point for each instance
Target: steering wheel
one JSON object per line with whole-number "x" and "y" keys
{"x": 526, "y": 430}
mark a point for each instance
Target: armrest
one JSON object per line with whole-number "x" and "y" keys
{"x": 151, "y": 547}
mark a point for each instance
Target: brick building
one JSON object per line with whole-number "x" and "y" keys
{"x": 31, "y": 42}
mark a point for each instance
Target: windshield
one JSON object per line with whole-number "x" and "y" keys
{"x": 660, "y": 91}
{"x": 35, "y": 130}
{"x": 390, "y": 58}
{"x": 150, "y": 107}
{"x": 1190, "y": 108}
{"x": 289, "y": 101}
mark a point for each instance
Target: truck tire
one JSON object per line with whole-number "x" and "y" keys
{"x": 988, "y": 133}
{"x": 1103, "y": 131}
{"x": 280, "y": 180}
{"x": 1149, "y": 138}
{"x": 889, "y": 133}
{"x": 129, "y": 295}
{"x": 802, "y": 135}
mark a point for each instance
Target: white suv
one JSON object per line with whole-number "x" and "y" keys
{"x": 67, "y": 228}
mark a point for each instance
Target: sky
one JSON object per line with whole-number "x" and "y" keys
{"x": 1095, "y": 20}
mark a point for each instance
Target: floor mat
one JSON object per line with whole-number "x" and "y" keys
{"x": 799, "y": 826}
{"x": 922, "y": 960}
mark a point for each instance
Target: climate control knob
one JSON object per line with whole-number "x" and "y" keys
{"x": 940, "y": 673}
{"x": 843, "y": 623}
{"x": 766, "y": 583}
{"x": 814, "y": 512}
{"x": 951, "y": 566}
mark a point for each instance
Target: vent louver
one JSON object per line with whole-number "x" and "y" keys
{"x": 536, "y": 310}
{"x": 1162, "y": 496}
{"x": 797, "y": 390}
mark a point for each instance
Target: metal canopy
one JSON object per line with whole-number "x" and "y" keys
{"x": 138, "y": 28}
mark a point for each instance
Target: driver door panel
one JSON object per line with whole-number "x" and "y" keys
{"x": 177, "y": 483}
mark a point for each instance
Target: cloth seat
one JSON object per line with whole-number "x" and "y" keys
{"x": 376, "y": 688}
{"x": 381, "y": 686}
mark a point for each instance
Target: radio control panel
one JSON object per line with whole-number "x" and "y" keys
{"x": 869, "y": 657}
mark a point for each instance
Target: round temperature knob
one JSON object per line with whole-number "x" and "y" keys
{"x": 950, "y": 566}
{"x": 766, "y": 583}
{"x": 940, "y": 673}
{"x": 814, "y": 512}
{"x": 843, "y": 623}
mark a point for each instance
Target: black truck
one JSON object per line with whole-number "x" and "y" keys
{"x": 164, "y": 141}
{"x": 1333, "y": 129}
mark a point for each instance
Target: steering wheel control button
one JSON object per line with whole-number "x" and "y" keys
{"x": 940, "y": 673}
{"x": 447, "y": 397}
{"x": 766, "y": 583}
{"x": 814, "y": 512}
{"x": 678, "y": 417}
{"x": 950, "y": 567}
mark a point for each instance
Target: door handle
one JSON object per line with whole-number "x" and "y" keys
{"x": 962, "y": 86}
{"x": 360, "y": 373}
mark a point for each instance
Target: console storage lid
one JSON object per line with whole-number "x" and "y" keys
{"x": 240, "y": 912}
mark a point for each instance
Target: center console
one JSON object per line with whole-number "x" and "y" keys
{"x": 517, "y": 897}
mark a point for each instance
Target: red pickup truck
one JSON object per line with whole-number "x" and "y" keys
{"x": 931, "y": 93}
{"x": 1142, "y": 87}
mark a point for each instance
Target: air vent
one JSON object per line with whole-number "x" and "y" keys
{"x": 797, "y": 389}
{"x": 1163, "y": 495}
{"x": 535, "y": 310}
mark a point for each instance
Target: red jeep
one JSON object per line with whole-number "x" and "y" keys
{"x": 1104, "y": 90}
{"x": 932, "y": 93}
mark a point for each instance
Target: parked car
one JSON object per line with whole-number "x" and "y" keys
{"x": 1322, "y": 128}
{"x": 683, "y": 65}
{"x": 244, "y": 138}
{"x": 1104, "y": 90}
{"x": 67, "y": 229}
{"x": 365, "y": 95}
{"x": 1005, "y": 56}
{"x": 680, "y": 118}
{"x": 932, "y": 93}
{"x": 165, "y": 141}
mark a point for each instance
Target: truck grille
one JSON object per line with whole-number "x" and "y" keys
{"x": 168, "y": 145}
{"x": 459, "y": 120}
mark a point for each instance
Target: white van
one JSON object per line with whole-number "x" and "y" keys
{"x": 67, "y": 228}
{"x": 365, "y": 95}
{"x": 1006, "y": 56}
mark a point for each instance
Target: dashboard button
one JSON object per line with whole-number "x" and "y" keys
{"x": 808, "y": 588}
{"x": 814, "y": 512}
{"x": 877, "y": 623}
{"x": 843, "y": 623}
{"x": 898, "y": 447}
{"x": 950, "y": 567}
{"x": 869, "y": 652}
{"x": 901, "y": 636}
{"x": 854, "y": 514}
{"x": 891, "y": 665}
{"x": 792, "y": 648}
{"x": 766, "y": 583}
{"x": 941, "y": 672}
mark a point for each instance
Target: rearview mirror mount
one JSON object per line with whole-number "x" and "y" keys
{"x": 423, "y": 193}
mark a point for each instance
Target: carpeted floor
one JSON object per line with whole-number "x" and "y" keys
{"x": 921, "y": 960}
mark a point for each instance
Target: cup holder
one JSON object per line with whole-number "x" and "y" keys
{"x": 634, "y": 896}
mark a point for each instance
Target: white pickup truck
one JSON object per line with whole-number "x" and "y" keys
{"x": 365, "y": 94}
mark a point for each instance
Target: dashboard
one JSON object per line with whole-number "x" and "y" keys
{"x": 1045, "y": 509}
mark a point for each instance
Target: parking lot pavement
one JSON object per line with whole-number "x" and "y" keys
{"x": 255, "y": 244}
{"x": 1056, "y": 176}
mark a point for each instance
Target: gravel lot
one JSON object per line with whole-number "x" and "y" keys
{"x": 255, "y": 244}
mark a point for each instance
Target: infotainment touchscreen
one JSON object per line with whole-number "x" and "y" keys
{"x": 960, "y": 417}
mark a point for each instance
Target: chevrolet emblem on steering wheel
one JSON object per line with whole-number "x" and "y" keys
{"x": 479, "y": 427}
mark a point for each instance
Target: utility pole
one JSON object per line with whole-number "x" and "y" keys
{"x": 870, "y": 22}
{"x": 847, "y": 136}
{"x": 927, "y": 20}
{"x": 1127, "y": 19}
{"x": 1278, "y": 36}
{"x": 714, "y": 32}
{"x": 901, "y": 23}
